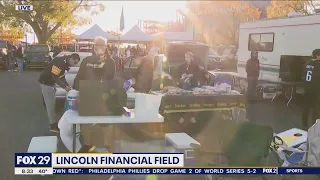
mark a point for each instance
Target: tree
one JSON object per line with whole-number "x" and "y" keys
{"x": 283, "y": 8}
{"x": 48, "y": 16}
{"x": 13, "y": 34}
{"x": 62, "y": 37}
{"x": 231, "y": 15}
{"x": 226, "y": 17}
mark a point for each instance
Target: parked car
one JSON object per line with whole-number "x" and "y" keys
{"x": 230, "y": 58}
{"x": 71, "y": 74}
{"x": 4, "y": 47}
{"x": 214, "y": 60}
{"x": 38, "y": 55}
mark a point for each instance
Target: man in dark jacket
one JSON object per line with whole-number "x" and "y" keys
{"x": 54, "y": 74}
{"x": 253, "y": 71}
{"x": 19, "y": 58}
{"x": 311, "y": 96}
{"x": 99, "y": 66}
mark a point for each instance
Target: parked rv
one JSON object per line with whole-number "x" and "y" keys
{"x": 285, "y": 41}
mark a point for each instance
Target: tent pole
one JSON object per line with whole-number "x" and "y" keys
{"x": 118, "y": 42}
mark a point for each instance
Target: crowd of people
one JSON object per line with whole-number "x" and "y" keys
{"x": 15, "y": 58}
{"x": 102, "y": 66}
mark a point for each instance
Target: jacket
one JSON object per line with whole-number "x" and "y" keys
{"x": 19, "y": 53}
{"x": 253, "y": 68}
{"x": 144, "y": 75}
{"x": 191, "y": 69}
{"x": 312, "y": 77}
{"x": 92, "y": 68}
{"x": 55, "y": 71}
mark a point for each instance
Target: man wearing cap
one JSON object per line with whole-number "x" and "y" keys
{"x": 51, "y": 75}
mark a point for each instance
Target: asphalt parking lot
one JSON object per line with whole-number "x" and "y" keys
{"x": 23, "y": 117}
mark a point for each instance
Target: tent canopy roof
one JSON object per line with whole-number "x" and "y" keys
{"x": 136, "y": 35}
{"x": 94, "y": 32}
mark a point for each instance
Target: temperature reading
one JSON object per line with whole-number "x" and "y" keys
{"x": 34, "y": 171}
{"x": 43, "y": 171}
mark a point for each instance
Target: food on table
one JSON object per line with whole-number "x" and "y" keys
{"x": 204, "y": 90}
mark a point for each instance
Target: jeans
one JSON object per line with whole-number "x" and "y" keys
{"x": 20, "y": 64}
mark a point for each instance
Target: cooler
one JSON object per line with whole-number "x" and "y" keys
{"x": 180, "y": 142}
{"x": 267, "y": 91}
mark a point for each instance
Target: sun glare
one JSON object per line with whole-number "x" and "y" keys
{"x": 133, "y": 11}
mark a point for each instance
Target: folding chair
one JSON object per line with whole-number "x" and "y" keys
{"x": 307, "y": 154}
{"x": 241, "y": 144}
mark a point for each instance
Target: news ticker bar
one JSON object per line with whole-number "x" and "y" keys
{"x": 182, "y": 171}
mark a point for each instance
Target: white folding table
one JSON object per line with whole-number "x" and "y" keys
{"x": 110, "y": 120}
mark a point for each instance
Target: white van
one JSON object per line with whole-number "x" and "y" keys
{"x": 293, "y": 36}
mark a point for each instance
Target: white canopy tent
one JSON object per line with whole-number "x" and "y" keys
{"x": 94, "y": 32}
{"x": 135, "y": 35}
{"x": 174, "y": 36}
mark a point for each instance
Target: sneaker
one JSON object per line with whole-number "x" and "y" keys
{"x": 54, "y": 128}
{"x": 181, "y": 120}
{"x": 193, "y": 120}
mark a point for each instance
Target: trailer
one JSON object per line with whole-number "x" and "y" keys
{"x": 293, "y": 37}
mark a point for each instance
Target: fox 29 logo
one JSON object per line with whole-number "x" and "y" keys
{"x": 33, "y": 160}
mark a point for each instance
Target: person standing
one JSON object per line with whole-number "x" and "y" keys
{"x": 19, "y": 58}
{"x": 11, "y": 58}
{"x": 154, "y": 49}
{"x": 312, "y": 90}
{"x": 253, "y": 72}
{"x": 128, "y": 52}
{"x": 51, "y": 75}
{"x": 99, "y": 66}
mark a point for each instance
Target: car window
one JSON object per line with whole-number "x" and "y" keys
{"x": 37, "y": 48}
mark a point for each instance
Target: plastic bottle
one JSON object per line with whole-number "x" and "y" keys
{"x": 71, "y": 100}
